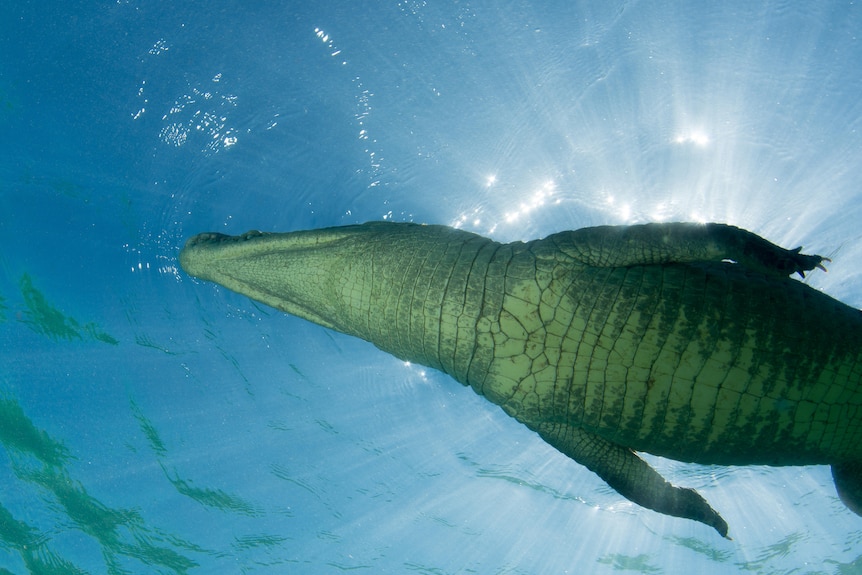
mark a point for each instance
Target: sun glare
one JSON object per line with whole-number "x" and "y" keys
{"x": 537, "y": 199}
{"x": 696, "y": 137}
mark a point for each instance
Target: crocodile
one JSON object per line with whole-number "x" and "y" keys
{"x": 686, "y": 341}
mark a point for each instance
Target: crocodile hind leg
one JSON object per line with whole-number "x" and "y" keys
{"x": 630, "y": 475}
{"x": 848, "y": 482}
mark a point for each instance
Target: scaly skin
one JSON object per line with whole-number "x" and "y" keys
{"x": 605, "y": 341}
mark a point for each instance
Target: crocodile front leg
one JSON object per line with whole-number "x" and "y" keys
{"x": 682, "y": 242}
{"x": 631, "y": 476}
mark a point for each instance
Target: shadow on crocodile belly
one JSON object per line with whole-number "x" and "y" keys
{"x": 690, "y": 341}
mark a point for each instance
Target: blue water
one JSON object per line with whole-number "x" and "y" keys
{"x": 151, "y": 423}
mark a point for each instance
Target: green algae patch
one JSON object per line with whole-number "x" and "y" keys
{"x": 45, "y": 319}
{"x": 88, "y": 514}
{"x": 94, "y": 332}
{"x": 121, "y": 533}
{"x": 213, "y": 498}
{"x": 17, "y": 534}
{"x": 149, "y": 430}
{"x": 43, "y": 560}
{"x": 638, "y": 563}
{"x": 3, "y": 309}
{"x": 17, "y": 433}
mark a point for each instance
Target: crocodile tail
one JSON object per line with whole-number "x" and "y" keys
{"x": 848, "y": 482}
